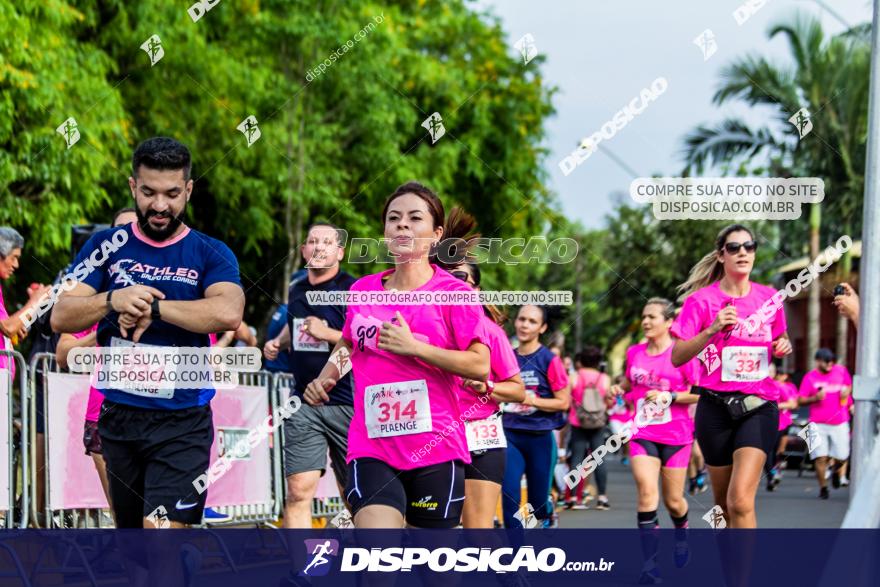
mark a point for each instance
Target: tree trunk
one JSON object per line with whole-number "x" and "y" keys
{"x": 813, "y": 302}
{"x": 579, "y": 303}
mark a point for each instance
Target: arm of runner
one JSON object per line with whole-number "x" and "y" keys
{"x": 82, "y": 306}
{"x": 509, "y": 390}
{"x": 782, "y": 346}
{"x": 336, "y": 367}
{"x": 685, "y": 350}
{"x": 560, "y": 401}
{"x": 244, "y": 334}
{"x": 221, "y": 309}
{"x": 472, "y": 363}
{"x": 282, "y": 341}
{"x": 68, "y": 342}
{"x": 318, "y": 328}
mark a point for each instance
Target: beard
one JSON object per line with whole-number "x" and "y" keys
{"x": 162, "y": 234}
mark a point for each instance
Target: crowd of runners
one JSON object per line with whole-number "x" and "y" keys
{"x": 433, "y": 415}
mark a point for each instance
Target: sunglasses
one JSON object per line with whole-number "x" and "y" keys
{"x": 733, "y": 248}
{"x": 462, "y": 275}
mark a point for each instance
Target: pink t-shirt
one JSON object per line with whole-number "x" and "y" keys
{"x": 787, "y": 391}
{"x": 503, "y": 365}
{"x": 5, "y": 342}
{"x": 96, "y": 398}
{"x": 585, "y": 378}
{"x": 829, "y": 410}
{"x": 736, "y": 359}
{"x": 655, "y": 372}
{"x": 400, "y": 403}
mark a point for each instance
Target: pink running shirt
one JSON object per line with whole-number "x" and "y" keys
{"x": 829, "y": 410}
{"x": 735, "y": 359}
{"x": 400, "y": 403}
{"x": 655, "y": 372}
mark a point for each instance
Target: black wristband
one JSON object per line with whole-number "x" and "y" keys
{"x": 154, "y": 310}
{"x": 109, "y": 303}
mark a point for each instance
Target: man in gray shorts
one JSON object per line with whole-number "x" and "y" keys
{"x": 316, "y": 329}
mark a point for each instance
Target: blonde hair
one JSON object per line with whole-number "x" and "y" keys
{"x": 708, "y": 270}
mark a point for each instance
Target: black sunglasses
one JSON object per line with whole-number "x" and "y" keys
{"x": 733, "y": 248}
{"x": 462, "y": 275}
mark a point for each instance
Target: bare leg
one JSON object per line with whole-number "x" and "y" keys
{"x": 479, "y": 507}
{"x": 748, "y": 463}
{"x": 301, "y": 488}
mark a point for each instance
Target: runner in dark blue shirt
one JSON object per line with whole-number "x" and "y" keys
{"x": 158, "y": 282}
{"x": 316, "y": 329}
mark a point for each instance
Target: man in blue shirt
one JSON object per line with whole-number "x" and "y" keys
{"x": 163, "y": 285}
{"x": 316, "y": 329}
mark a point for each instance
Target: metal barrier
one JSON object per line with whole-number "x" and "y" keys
{"x": 41, "y": 365}
{"x": 326, "y": 507}
{"x": 262, "y": 513}
{"x": 12, "y": 469}
{"x": 282, "y": 385}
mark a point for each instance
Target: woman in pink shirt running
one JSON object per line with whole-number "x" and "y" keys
{"x": 734, "y": 327}
{"x": 661, "y": 438}
{"x": 407, "y": 446}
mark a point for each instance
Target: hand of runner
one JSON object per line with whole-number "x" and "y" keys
{"x": 316, "y": 328}
{"x": 142, "y": 324}
{"x": 135, "y": 299}
{"x": 397, "y": 339}
{"x": 726, "y": 317}
{"x": 659, "y": 397}
{"x": 270, "y": 349}
{"x": 781, "y": 347}
{"x": 616, "y": 390}
{"x": 37, "y": 291}
{"x": 315, "y": 393}
{"x": 127, "y": 321}
{"x": 477, "y": 386}
{"x": 821, "y": 395}
{"x": 848, "y": 304}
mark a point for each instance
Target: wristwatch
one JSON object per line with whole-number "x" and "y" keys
{"x": 490, "y": 386}
{"x": 154, "y": 310}
{"x": 109, "y": 303}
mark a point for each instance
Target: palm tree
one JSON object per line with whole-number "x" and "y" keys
{"x": 829, "y": 78}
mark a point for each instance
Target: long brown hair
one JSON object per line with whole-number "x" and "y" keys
{"x": 708, "y": 270}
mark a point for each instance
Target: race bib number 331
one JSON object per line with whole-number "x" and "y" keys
{"x": 397, "y": 409}
{"x": 744, "y": 363}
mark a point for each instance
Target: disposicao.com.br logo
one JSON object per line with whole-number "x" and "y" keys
{"x": 444, "y": 560}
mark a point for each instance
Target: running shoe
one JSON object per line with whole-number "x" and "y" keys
{"x": 770, "y": 486}
{"x": 603, "y": 504}
{"x": 823, "y": 493}
{"x": 561, "y": 503}
{"x": 650, "y": 574}
{"x": 682, "y": 554}
{"x": 701, "y": 482}
{"x": 582, "y": 505}
{"x": 692, "y": 485}
{"x": 844, "y": 482}
{"x": 571, "y": 504}
{"x": 551, "y": 522}
{"x": 212, "y": 516}
{"x": 625, "y": 461}
{"x": 777, "y": 477}
{"x": 191, "y": 560}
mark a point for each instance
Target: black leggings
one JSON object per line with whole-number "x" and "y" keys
{"x": 720, "y": 435}
{"x": 584, "y": 442}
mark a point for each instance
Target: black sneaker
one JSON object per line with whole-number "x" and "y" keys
{"x": 823, "y": 493}
{"x": 602, "y": 504}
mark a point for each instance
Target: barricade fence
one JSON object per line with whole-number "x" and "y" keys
{"x": 14, "y": 450}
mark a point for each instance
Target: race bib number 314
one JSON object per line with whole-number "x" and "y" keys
{"x": 744, "y": 363}
{"x": 397, "y": 409}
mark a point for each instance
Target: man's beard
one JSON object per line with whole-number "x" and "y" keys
{"x": 174, "y": 223}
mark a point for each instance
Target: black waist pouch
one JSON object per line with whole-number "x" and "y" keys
{"x": 738, "y": 404}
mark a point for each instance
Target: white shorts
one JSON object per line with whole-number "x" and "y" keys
{"x": 831, "y": 440}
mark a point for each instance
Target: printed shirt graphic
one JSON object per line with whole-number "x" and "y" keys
{"x": 182, "y": 268}
{"x": 503, "y": 366}
{"x": 830, "y": 410}
{"x": 648, "y": 372}
{"x": 448, "y": 327}
{"x": 734, "y": 359}
{"x": 586, "y": 378}
{"x": 787, "y": 391}
{"x": 305, "y": 361}
{"x": 543, "y": 374}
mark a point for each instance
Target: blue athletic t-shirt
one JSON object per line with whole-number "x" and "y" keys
{"x": 308, "y": 355}
{"x": 541, "y": 372}
{"x": 182, "y": 268}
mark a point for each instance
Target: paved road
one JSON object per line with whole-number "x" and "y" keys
{"x": 794, "y": 504}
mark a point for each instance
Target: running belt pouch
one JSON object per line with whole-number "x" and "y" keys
{"x": 591, "y": 409}
{"x": 738, "y": 404}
